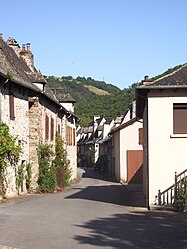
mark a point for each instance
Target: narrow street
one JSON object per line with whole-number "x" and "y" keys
{"x": 94, "y": 213}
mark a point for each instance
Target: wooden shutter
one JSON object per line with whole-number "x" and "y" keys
{"x": 74, "y": 136}
{"x": 11, "y": 106}
{"x": 140, "y": 130}
{"x": 67, "y": 135}
{"x": 59, "y": 129}
{"x": 46, "y": 127}
{"x": 52, "y": 129}
{"x": 70, "y": 135}
{"x": 179, "y": 118}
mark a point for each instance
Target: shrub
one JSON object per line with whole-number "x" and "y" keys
{"x": 9, "y": 155}
{"x": 61, "y": 163}
{"x": 47, "y": 176}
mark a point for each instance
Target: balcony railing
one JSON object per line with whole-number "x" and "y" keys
{"x": 170, "y": 196}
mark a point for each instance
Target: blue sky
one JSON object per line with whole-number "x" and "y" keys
{"x": 118, "y": 41}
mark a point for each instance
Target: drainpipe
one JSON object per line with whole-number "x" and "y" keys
{"x": 147, "y": 156}
{"x": 146, "y": 148}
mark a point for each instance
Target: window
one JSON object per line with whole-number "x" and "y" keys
{"x": 46, "y": 127}
{"x": 52, "y": 129}
{"x": 179, "y": 118}
{"x": 11, "y": 106}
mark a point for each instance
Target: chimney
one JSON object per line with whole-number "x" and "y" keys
{"x": 23, "y": 48}
{"x": 146, "y": 80}
{"x": 11, "y": 42}
{"x": 27, "y": 56}
{"x": 28, "y": 47}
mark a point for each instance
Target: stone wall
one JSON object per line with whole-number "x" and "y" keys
{"x": 19, "y": 127}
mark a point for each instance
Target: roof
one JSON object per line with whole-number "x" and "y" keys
{"x": 13, "y": 67}
{"x": 177, "y": 78}
{"x": 120, "y": 127}
{"x": 65, "y": 97}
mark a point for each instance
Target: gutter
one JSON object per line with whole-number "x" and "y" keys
{"x": 174, "y": 86}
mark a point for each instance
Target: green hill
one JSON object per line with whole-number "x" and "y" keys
{"x": 96, "y": 97}
{"x": 93, "y": 97}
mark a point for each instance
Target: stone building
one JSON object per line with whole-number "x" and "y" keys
{"x": 29, "y": 108}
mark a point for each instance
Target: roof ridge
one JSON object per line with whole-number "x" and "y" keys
{"x": 167, "y": 75}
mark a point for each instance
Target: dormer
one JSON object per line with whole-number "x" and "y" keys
{"x": 67, "y": 101}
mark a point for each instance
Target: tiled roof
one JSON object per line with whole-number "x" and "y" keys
{"x": 176, "y": 78}
{"x": 65, "y": 97}
{"x": 120, "y": 127}
{"x": 13, "y": 67}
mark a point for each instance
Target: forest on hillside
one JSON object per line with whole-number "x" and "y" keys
{"x": 95, "y": 97}
{"x": 88, "y": 102}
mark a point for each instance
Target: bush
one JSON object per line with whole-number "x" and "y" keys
{"x": 9, "y": 155}
{"x": 61, "y": 163}
{"x": 47, "y": 175}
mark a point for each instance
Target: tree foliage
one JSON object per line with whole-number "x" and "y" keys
{"x": 88, "y": 103}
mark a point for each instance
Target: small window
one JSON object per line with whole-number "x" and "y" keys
{"x": 179, "y": 118}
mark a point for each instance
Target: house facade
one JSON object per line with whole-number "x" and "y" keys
{"x": 163, "y": 106}
{"x": 127, "y": 149}
{"x": 31, "y": 110}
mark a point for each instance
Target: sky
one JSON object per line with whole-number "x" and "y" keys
{"x": 118, "y": 41}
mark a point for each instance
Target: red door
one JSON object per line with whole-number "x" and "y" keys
{"x": 135, "y": 166}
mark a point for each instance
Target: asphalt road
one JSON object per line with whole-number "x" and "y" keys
{"x": 95, "y": 213}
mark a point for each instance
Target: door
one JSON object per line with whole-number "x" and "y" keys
{"x": 135, "y": 166}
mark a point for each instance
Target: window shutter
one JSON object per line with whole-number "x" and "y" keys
{"x": 74, "y": 136}
{"x": 11, "y": 106}
{"x": 59, "y": 129}
{"x": 140, "y": 136}
{"x": 46, "y": 127}
{"x": 52, "y": 129}
{"x": 179, "y": 118}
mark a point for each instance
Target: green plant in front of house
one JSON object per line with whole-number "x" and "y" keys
{"x": 61, "y": 163}
{"x": 182, "y": 196}
{"x": 28, "y": 175}
{"x": 47, "y": 175}
{"x": 9, "y": 155}
{"x": 20, "y": 177}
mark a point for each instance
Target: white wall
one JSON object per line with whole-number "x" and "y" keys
{"x": 129, "y": 140}
{"x": 166, "y": 154}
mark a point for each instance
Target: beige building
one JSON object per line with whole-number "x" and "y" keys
{"x": 128, "y": 151}
{"x": 163, "y": 106}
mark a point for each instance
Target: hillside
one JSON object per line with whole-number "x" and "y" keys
{"x": 97, "y": 97}
{"x": 93, "y": 97}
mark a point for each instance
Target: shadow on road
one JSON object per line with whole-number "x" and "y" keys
{"x": 91, "y": 173}
{"x": 109, "y": 192}
{"x": 114, "y": 194}
{"x": 144, "y": 229}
